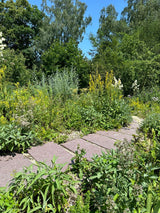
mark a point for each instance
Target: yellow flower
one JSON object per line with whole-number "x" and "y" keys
{"x": 3, "y": 120}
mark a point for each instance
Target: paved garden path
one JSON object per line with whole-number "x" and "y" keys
{"x": 92, "y": 143}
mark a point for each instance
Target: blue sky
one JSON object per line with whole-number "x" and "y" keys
{"x": 94, "y": 8}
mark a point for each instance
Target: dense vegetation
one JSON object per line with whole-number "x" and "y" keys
{"x": 48, "y": 87}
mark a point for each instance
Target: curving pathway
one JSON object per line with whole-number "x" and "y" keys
{"x": 92, "y": 143}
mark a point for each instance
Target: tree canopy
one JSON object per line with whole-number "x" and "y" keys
{"x": 47, "y": 39}
{"x": 130, "y": 46}
{"x": 65, "y": 20}
{"x": 20, "y": 23}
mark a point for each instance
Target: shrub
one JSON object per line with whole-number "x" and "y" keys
{"x": 150, "y": 95}
{"x": 53, "y": 105}
{"x": 61, "y": 55}
{"x": 107, "y": 100}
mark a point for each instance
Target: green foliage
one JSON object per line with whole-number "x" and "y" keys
{"x": 107, "y": 99}
{"x": 15, "y": 69}
{"x": 81, "y": 206}
{"x": 145, "y": 102}
{"x": 47, "y": 189}
{"x": 62, "y": 13}
{"x": 16, "y": 139}
{"x": 118, "y": 180}
{"x": 151, "y": 95}
{"x": 53, "y": 106}
{"x": 80, "y": 163}
{"x": 60, "y": 56}
{"x": 20, "y": 24}
{"x": 7, "y": 202}
{"x": 144, "y": 17}
{"x": 108, "y": 18}
{"x": 65, "y": 84}
{"x": 151, "y": 125}
{"x": 129, "y": 46}
{"x": 130, "y": 58}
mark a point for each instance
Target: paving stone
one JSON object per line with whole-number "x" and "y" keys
{"x": 91, "y": 149}
{"x": 128, "y": 131}
{"x": 134, "y": 125}
{"x": 100, "y": 140}
{"x": 9, "y": 165}
{"x": 116, "y": 135}
{"x": 46, "y": 152}
{"x": 92, "y": 143}
{"x": 137, "y": 120}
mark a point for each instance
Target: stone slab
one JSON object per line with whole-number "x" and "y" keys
{"x": 128, "y": 131}
{"x": 45, "y": 153}
{"x": 91, "y": 149}
{"x": 100, "y": 140}
{"x": 116, "y": 135}
{"x": 134, "y": 125}
{"x": 9, "y": 165}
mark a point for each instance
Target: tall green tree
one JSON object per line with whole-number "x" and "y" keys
{"x": 65, "y": 20}
{"x": 66, "y": 55}
{"x": 105, "y": 42}
{"x": 144, "y": 16}
{"x": 128, "y": 46}
{"x": 20, "y": 23}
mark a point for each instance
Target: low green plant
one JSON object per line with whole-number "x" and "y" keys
{"x": 82, "y": 205}
{"x": 7, "y": 202}
{"x": 15, "y": 139}
{"x": 145, "y": 102}
{"x": 42, "y": 188}
{"x": 80, "y": 163}
{"x": 116, "y": 113}
{"x": 150, "y": 123}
